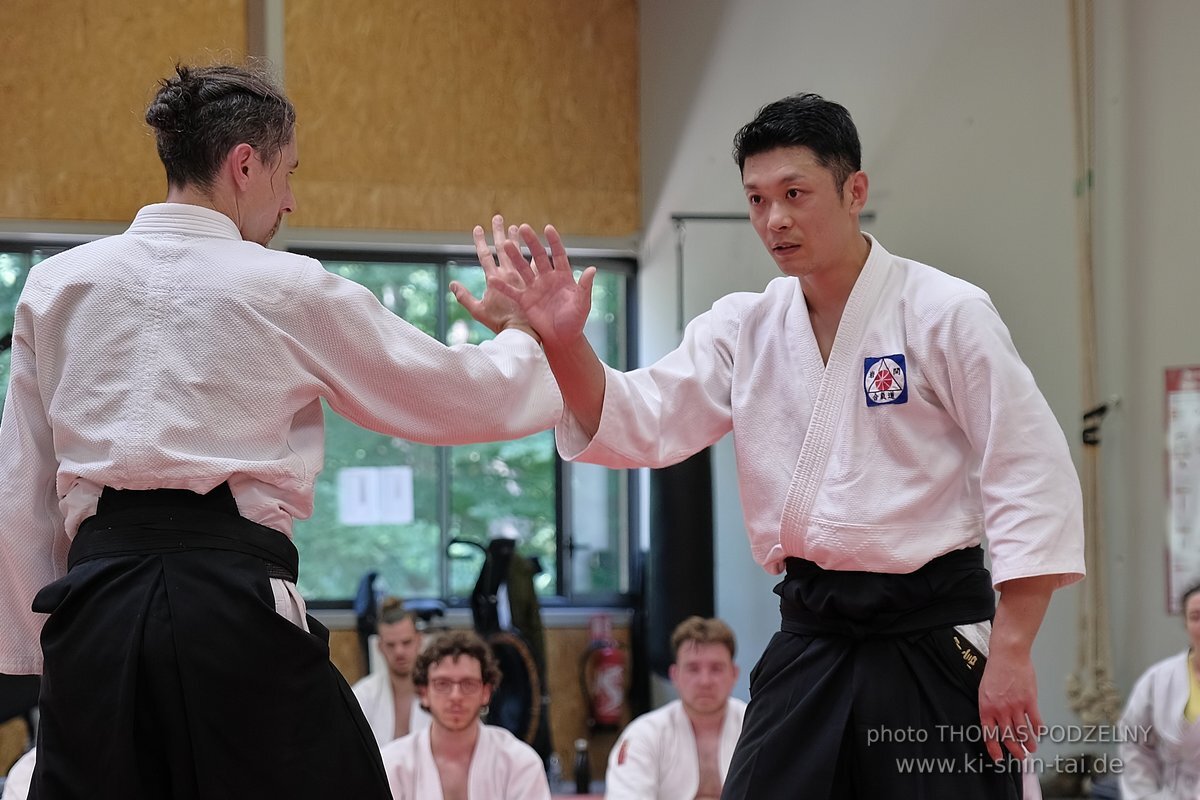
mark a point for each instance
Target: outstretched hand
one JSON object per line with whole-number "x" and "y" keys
{"x": 497, "y": 309}
{"x": 554, "y": 303}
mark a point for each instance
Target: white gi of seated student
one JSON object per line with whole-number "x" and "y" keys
{"x": 683, "y": 749}
{"x": 387, "y": 696}
{"x": 1165, "y": 764}
{"x": 457, "y": 756}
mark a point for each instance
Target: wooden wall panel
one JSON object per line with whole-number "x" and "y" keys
{"x": 75, "y": 79}
{"x": 432, "y": 116}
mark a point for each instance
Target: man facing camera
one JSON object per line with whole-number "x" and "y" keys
{"x": 387, "y": 696}
{"x": 682, "y": 750}
{"x": 458, "y": 757}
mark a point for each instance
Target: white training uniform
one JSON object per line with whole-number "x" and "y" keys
{"x": 1166, "y": 766}
{"x": 121, "y": 342}
{"x": 374, "y": 693}
{"x": 502, "y": 768}
{"x": 20, "y": 776}
{"x": 655, "y": 757}
{"x": 847, "y": 465}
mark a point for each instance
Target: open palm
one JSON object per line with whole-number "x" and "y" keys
{"x": 554, "y": 303}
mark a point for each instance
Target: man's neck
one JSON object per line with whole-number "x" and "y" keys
{"x": 453, "y": 744}
{"x": 706, "y": 723}
{"x": 827, "y": 290}
{"x": 193, "y": 196}
{"x": 402, "y": 685}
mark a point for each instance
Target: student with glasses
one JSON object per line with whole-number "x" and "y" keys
{"x": 458, "y": 756}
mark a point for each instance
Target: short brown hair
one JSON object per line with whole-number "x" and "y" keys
{"x": 392, "y": 610}
{"x": 703, "y": 631}
{"x": 453, "y": 644}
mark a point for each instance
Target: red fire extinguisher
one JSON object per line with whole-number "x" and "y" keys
{"x": 602, "y": 675}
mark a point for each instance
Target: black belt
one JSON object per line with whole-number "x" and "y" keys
{"x": 953, "y": 589}
{"x": 160, "y": 521}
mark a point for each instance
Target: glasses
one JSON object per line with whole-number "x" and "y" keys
{"x": 467, "y": 685}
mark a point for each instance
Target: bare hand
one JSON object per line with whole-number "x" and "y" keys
{"x": 497, "y": 310}
{"x": 550, "y": 298}
{"x": 1008, "y": 708}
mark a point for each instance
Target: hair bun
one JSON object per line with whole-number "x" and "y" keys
{"x": 172, "y": 106}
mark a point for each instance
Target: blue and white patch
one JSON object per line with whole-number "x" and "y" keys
{"x": 885, "y": 381}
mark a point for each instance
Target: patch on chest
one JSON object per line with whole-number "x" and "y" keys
{"x": 884, "y": 380}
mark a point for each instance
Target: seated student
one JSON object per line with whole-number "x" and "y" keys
{"x": 458, "y": 757}
{"x": 387, "y": 696}
{"x": 682, "y": 750}
{"x": 1166, "y": 702}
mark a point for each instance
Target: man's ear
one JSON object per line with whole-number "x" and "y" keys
{"x": 241, "y": 163}
{"x": 672, "y": 671}
{"x": 857, "y": 183}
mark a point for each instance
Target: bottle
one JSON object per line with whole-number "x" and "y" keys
{"x": 583, "y": 770}
{"x": 554, "y": 773}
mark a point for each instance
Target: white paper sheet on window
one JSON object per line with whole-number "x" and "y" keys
{"x": 1183, "y": 481}
{"x": 375, "y": 495}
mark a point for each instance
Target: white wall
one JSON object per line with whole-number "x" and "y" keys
{"x": 964, "y": 109}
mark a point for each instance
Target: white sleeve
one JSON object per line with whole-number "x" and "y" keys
{"x": 633, "y": 765}
{"x": 1032, "y": 502}
{"x": 33, "y": 539}
{"x": 1142, "y": 769}
{"x": 659, "y": 415}
{"x": 383, "y": 373}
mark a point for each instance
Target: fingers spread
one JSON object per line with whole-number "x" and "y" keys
{"x": 518, "y": 261}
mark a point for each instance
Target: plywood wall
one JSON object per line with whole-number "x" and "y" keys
{"x": 75, "y": 78}
{"x": 432, "y": 116}
{"x": 413, "y": 116}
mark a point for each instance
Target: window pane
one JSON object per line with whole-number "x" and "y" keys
{"x": 599, "y": 507}
{"x": 377, "y": 503}
{"x": 500, "y": 489}
{"x": 14, "y": 267}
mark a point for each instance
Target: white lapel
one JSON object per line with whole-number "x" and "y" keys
{"x": 836, "y": 379}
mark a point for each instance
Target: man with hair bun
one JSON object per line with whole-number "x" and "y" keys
{"x": 457, "y": 756}
{"x": 683, "y": 749}
{"x": 388, "y": 696}
{"x": 163, "y": 428}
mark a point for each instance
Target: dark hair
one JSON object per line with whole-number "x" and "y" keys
{"x": 201, "y": 113}
{"x": 803, "y": 120}
{"x": 392, "y": 610}
{"x": 1187, "y": 595}
{"x": 703, "y": 631}
{"x": 453, "y": 644}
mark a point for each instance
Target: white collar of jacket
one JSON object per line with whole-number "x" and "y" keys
{"x": 185, "y": 219}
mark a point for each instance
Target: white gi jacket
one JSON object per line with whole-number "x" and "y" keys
{"x": 20, "y": 777}
{"x": 374, "y": 693}
{"x": 1167, "y": 765}
{"x": 655, "y": 757}
{"x": 177, "y": 355}
{"x": 924, "y": 431}
{"x": 502, "y": 768}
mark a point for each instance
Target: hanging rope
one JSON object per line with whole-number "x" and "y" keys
{"x": 1090, "y": 689}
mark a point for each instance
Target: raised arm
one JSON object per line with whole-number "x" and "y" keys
{"x": 557, "y": 306}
